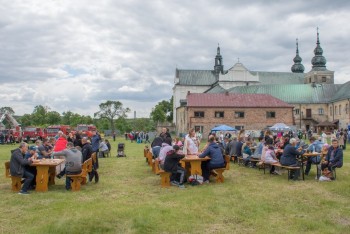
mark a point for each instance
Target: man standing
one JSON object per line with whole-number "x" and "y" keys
{"x": 17, "y": 166}
{"x": 73, "y": 162}
{"x": 95, "y": 144}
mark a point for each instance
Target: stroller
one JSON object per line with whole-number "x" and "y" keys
{"x": 121, "y": 147}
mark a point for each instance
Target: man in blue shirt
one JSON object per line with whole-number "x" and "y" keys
{"x": 315, "y": 146}
{"x": 95, "y": 144}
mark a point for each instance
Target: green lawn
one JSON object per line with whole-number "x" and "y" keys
{"x": 129, "y": 199}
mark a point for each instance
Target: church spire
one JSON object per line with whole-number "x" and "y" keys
{"x": 218, "y": 67}
{"x": 297, "y": 66}
{"x": 318, "y": 61}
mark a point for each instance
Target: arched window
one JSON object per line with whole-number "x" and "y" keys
{"x": 330, "y": 111}
{"x": 335, "y": 110}
{"x": 347, "y": 108}
{"x": 339, "y": 109}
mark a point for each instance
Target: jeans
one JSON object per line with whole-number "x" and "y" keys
{"x": 28, "y": 180}
{"x": 68, "y": 180}
{"x": 310, "y": 160}
{"x": 180, "y": 171}
{"x": 206, "y": 167}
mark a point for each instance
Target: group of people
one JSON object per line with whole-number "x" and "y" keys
{"x": 138, "y": 137}
{"x": 7, "y": 138}
{"x": 170, "y": 151}
{"x": 75, "y": 149}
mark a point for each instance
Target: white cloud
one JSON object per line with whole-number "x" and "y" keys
{"x": 73, "y": 55}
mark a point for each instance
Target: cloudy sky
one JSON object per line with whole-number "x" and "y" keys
{"x": 73, "y": 55}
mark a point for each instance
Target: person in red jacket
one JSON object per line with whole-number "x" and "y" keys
{"x": 61, "y": 143}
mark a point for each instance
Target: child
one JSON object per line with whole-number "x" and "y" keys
{"x": 171, "y": 164}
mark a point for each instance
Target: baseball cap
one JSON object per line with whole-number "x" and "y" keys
{"x": 32, "y": 147}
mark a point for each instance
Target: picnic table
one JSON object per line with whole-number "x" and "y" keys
{"x": 46, "y": 172}
{"x": 195, "y": 163}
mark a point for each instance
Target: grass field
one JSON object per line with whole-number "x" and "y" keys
{"x": 129, "y": 199}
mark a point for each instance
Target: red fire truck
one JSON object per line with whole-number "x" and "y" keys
{"x": 33, "y": 134}
{"x": 86, "y": 129}
{"x": 53, "y": 130}
{"x": 15, "y": 131}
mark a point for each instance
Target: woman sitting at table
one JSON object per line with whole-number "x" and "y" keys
{"x": 290, "y": 158}
{"x": 214, "y": 152}
{"x": 191, "y": 143}
{"x": 246, "y": 152}
{"x": 270, "y": 158}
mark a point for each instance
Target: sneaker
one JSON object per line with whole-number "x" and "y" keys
{"x": 206, "y": 182}
{"x": 182, "y": 186}
{"x": 174, "y": 183}
{"x": 23, "y": 193}
{"x": 58, "y": 176}
{"x": 276, "y": 173}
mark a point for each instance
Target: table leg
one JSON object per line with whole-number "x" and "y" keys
{"x": 196, "y": 168}
{"x": 52, "y": 174}
{"x": 42, "y": 178}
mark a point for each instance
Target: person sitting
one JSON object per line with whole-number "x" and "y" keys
{"x": 289, "y": 158}
{"x": 315, "y": 146}
{"x": 31, "y": 154}
{"x": 61, "y": 142}
{"x": 247, "y": 153}
{"x": 156, "y": 145}
{"x": 43, "y": 149}
{"x": 258, "y": 151}
{"x": 74, "y": 159}
{"x": 239, "y": 149}
{"x": 166, "y": 147}
{"x": 270, "y": 158}
{"x": 17, "y": 166}
{"x": 171, "y": 164}
{"x": 213, "y": 151}
{"x": 334, "y": 157}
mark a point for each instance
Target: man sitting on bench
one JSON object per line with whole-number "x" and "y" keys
{"x": 334, "y": 157}
{"x": 289, "y": 158}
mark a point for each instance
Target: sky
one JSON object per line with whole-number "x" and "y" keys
{"x": 73, "y": 55}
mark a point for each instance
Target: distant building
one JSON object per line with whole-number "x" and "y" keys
{"x": 317, "y": 102}
{"x": 204, "y": 111}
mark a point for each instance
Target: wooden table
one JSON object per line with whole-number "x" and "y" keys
{"x": 307, "y": 155}
{"x": 45, "y": 173}
{"x": 195, "y": 163}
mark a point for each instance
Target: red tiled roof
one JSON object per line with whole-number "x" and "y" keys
{"x": 234, "y": 100}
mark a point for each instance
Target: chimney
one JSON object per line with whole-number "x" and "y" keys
{"x": 188, "y": 92}
{"x": 226, "y": 93}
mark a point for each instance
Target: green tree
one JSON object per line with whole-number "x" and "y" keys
{"x": 53, "y": 117}
{"x": 163, "y": 111}
{"x": 110, "y": 110}
{"x": 39, "y": 115}
{"x": 26, "y": 120}
{"x": 8, "y": 109}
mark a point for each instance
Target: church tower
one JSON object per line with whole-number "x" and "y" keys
{"x": 319, "y": 73}
{"x": 297, "y": 66}
{"x": 218, "y": 67}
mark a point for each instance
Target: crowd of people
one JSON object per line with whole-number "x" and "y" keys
{"x": 73, "y": 148}
{"x": 270, "y": 147}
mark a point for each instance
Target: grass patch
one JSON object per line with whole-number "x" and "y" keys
{"x": 129, "y": 199}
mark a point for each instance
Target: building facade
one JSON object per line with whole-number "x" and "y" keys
{"x": 317, "y": 102}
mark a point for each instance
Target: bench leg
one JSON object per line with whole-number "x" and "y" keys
{"x": 220, "y": 177}
{"x": 16, "y": 184}
{"x": 165, "y": 180}
{"x": 76, "y": 183}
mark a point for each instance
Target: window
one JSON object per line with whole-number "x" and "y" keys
{"x": 324, "y": 79}
{"x": 198, "y": 129}
{"x": 310, "y": 80}
{"x": 330, "y": 110}
{"x": 347, "y": 108}
{"x": 297, "y": 111}
{"x": 219, "y": 114}
{"x": 270, "y": 114}
{"x": 339, "y": 109}
{"x": 199, "y": 114}
{"x": 239, "y": 114}
{"x": 335, "y": 110}
{"x": 320, "y": 111}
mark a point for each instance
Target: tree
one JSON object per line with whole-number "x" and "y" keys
{"x": 53, "y": 117}
{"x": 26, "y": 120}
{"x": 8, "y": 109}
{"x": 39, "y": 115}
{"x": 110, "y": 110}
{"x": 163, "y": 111}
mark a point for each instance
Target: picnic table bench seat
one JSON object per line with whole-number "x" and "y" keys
{"x": 16, "y": 184}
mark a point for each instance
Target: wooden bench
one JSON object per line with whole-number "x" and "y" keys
{"x": 76, "y": 181}
{"x": 240, "y": 161}
{"x": 288, "y": 168}
{"x": 219, "y": 171}
{"x": 85, "y": 169}
{"x": 16, "y": 184}
{"x": 149, "y": 158}
{"x": 164, "y": 176}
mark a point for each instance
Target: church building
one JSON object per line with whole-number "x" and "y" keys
{"x": 317, "y": 102}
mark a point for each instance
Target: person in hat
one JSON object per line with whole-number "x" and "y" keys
{"x": 31, "y": 154}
